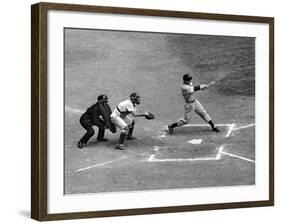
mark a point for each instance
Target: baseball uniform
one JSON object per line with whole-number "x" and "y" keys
{"x": 120, "y": 115}
{"x": 191, "y": 104}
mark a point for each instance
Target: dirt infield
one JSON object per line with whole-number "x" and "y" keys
{"x": 118, "y": 63}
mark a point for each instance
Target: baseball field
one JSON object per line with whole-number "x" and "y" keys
{"x": 152, "y": 64}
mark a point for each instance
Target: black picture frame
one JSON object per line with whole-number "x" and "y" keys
{"x": 39, "y": 108}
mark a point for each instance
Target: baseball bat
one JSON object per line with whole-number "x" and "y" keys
{"x": 211, "y": 83}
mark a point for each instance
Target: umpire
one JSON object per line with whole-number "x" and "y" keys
{"x": 95, "y": 116}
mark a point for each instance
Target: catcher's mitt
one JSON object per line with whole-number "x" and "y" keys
{"x": 149, "y": 116}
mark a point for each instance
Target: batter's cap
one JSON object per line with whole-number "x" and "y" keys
{"x": 186, "y": 77}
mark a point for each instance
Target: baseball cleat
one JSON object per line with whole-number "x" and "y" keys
{"x": 80, "y": 145}
{"x": 170, "y": 129}
{"x": 215, "y": 129}
{"x": 130, "y": 137}
{"x": 120, "y": 147}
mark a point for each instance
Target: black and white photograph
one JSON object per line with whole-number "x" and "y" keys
{"x": 151, "y": 111}
{"x": 141, "y": 111}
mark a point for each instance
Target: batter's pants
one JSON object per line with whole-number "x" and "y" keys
{"x": 189, "y": 108}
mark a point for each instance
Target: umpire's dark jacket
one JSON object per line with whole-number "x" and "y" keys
{"x": 93, "y": 115}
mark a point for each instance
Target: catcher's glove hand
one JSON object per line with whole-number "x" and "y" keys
{"x": 149, "y": 116}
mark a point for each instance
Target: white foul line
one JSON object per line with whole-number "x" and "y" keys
{"x": 239, "y": 157}
{"x": 242, "y": 127}
{"x": 73, "y": 110}
{"x": 99, "y": 164}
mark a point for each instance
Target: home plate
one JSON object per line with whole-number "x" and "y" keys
{"x": 195, "y": 141}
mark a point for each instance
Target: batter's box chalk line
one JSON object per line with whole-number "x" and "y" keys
{"x": 219, "y": 155}
{"x": 228, "y": 132}
{"x": 220, "y": 149}
{"x": 165, "y": 129}
{"x": 153, "y": 158}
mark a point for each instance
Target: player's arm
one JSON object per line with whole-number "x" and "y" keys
{"x": 200, "y": 87}
{"x": 139, "y": 114}
{"x": 133, "y": 111}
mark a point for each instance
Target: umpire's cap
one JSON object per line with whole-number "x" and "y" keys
{"x": 186, "y": 77}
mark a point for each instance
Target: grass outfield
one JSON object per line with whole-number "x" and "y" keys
{"x": 118, "y": 63}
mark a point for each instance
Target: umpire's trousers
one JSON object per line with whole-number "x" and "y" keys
{"x": 88, "y": 125}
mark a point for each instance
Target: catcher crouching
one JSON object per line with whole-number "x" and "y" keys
{"x": 124, "y": 122}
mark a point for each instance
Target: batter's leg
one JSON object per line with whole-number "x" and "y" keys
{"x": 199, "y": 109}
{"x": 188, "y": 109}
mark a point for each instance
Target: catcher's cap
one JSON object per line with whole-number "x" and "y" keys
{"x": 134, "y": 95}
{"x": 186, "y": 77}
{"x": 102, "y": 97}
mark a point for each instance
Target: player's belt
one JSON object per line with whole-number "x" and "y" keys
{"x": 119, "y": 110}
{"x": 122, "y": 113}
{"x": 191, "y": 101}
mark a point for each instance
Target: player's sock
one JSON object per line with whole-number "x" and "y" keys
{"x": 120, "y": 144}
{"x": 214, "y": 128}
{"x": 171, "y": 128}
{"x": 130, "y": 133}
{"x": 174, "y": 125}
{"x": 122, "y": 138}
{"x": 212, "y": 124}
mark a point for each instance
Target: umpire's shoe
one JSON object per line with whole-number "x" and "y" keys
{"x": 80, "y": 145}
{"x": 215, "y": 129}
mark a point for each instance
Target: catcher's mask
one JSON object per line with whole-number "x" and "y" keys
{"x": 187, "y": 77}
{"x": 135, "y": 98}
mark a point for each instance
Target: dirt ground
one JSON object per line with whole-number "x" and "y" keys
{"x": 118, "y": 63}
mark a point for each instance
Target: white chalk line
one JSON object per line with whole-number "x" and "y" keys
{"x": 220, "y": 153}
{"x": 217, "y": 157}
{"x": 164, "y": 132}
{"x": 99, "y": 164}
{"x": 204, "y": 125}
{"x": 230, "y": 129}
{"x": 242, "y": 127}
{"x": 67, "y": 108}
{"x": 238, "y": 157}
